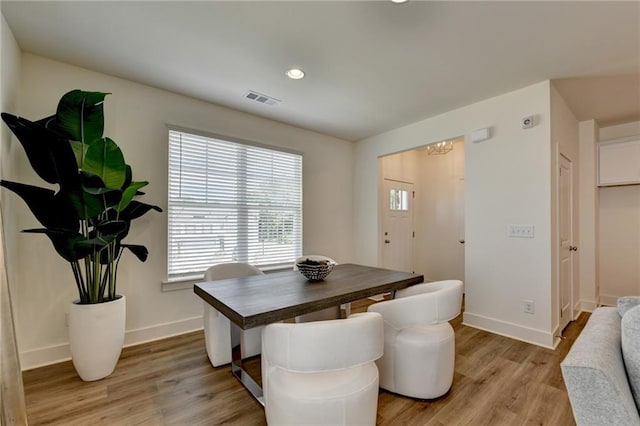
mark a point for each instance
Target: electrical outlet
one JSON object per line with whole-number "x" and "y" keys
{"x": 528, "y": 306}
{"x": 66, "y": 319}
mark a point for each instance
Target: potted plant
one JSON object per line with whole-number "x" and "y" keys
{"x": 86, "y": 218}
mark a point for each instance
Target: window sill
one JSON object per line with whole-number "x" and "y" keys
{"x": 187, "y": 283}
{"x": 181, "y": 284}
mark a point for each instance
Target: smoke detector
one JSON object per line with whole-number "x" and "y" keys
{"x": 260, "y": 98}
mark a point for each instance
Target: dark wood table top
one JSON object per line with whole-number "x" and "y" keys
{"x": 263, "y": 299}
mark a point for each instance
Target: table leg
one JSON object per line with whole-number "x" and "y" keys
{"x": 237, "y": 369}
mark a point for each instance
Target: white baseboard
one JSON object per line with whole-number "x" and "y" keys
{"x": 608, "y": 300}
{"x": 162, "y": 331}
{"x": 511, "y": 330}
{"x": 53, "y": 354}
{"x": 576, "y": 310}
{"x": 587, "y": 305}
{"x": 44, "y": 356}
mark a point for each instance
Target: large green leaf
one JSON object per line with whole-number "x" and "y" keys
{"x": 99, "y": 203}
{"x": 129, "y": 193}
{"x": 80, "y": 115}
{"x": 53, "y": 211}
{"x": 79, "y": 150}
{"x": 90, "y": 202}
{"x": 128, "y": 177}
{"x": 71, "y": 246}
{"x": 104, "y": 158}
{"x": 49, "y": 153}
{"x": 48, "y": 122}
{"x": 135, "y": 209}
{"x": 111, "y": 227}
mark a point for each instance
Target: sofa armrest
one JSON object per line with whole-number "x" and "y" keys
{"x": 595, "y": 376}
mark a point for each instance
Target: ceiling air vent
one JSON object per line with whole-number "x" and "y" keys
{"x": 263, "y": 99}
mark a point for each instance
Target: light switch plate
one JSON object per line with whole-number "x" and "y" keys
{"x": 521, "y": 231}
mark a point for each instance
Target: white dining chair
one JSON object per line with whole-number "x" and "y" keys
{"x": 322, "y": 372}
{"x": 217, "y": 328}
{"x": 333, "y": 312}
{"x": 419, "y": 342}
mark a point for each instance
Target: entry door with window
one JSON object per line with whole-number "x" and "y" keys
{"x": 397, "y": 226}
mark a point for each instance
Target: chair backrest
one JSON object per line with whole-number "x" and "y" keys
{"x": 428, "y": 303}
{"x": 449, "y": 296}
{"x": 324, "y": 345}
{"x": 223, "y": 271}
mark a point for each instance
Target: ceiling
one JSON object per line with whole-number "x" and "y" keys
{"x": 371, "y": 65}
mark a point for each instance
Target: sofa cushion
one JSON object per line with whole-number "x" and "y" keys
{"x": 595, "y": 376}
{"x": 630, "y": 327}
{"x": 627, "y": 302}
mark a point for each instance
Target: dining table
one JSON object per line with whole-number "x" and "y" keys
{"x": 259, "y": 300}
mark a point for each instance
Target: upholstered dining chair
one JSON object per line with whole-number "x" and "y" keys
{"x": 333, "y": 312}
{"x": 322, "y": 372}
{"x": 419, "y": 342}
{"x": 217, "y": 331}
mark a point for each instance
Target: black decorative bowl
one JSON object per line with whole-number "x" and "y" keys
{"x": 315, "y": 270}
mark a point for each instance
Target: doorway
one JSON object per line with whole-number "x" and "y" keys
{"x": 566, "y": 249}
{"x": 436, "y": 205}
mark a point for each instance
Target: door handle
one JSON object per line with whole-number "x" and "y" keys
{"x": 387, "y": 241}
{"x": 573, "y": 248}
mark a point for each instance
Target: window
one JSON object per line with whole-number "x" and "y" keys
{"x": 398, "y": 199}
{"x": 231, "y": 202}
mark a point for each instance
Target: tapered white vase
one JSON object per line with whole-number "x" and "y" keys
{"x": 96, "y": 337}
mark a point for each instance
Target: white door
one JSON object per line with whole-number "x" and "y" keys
{"x": 565, "y": 209}
{"x": 397, "y": 226}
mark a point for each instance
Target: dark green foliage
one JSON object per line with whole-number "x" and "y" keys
{"x": 90, "y": 214}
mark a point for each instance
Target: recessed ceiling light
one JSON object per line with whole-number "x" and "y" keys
{"x": 399, "y": 1}
{"x": 295, "y": 73}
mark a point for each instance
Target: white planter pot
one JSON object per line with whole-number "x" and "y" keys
{"x": 96, "y": 336}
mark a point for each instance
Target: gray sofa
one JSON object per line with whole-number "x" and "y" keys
{"x": 602, "y": 369}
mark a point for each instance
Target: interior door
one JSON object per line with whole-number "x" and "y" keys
{"x": 397, "y": 226}
{"x": 565, "y": 207}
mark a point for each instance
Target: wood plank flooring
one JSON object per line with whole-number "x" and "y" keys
{"x": 497, "y": 381}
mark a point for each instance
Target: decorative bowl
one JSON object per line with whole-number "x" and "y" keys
{"x": 315, "y": 270}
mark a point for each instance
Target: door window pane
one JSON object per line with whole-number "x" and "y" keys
{"x": 398, "y": 199}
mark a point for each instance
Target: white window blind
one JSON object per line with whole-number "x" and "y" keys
{"x": 231, "y": 202}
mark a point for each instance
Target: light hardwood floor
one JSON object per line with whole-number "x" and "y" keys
{"x": 497, "y": 381}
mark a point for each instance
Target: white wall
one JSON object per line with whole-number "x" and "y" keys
{"x": 10, "y": 61}
{"x": 619, "y": 131}
{"x": 136, "y": 118}
{"x": 589, "y": 293}
{"x": 440, "y": 224}
{"x": 12, "y": 403}
{"x": 619, "y": 230}
{"x": 402, "y": 166}
{"x": 507, "y": 181}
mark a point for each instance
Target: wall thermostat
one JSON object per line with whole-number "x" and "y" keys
{"x": 527, "y": 122}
